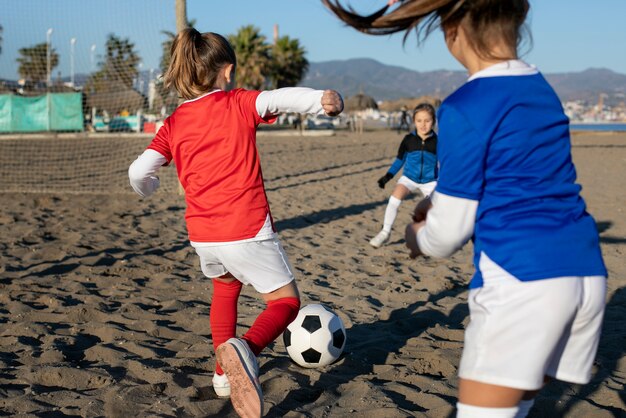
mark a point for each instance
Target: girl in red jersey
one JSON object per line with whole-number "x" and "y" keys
{"x": 211, "y": 138}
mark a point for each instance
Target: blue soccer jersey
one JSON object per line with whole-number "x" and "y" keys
{"x": 504, "y": 142}
{"x": 419, "y": 158}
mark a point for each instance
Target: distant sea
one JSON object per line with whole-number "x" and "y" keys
{"x": 620, "y": 127}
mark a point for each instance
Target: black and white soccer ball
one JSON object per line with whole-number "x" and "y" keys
{"x": 316, "y": 337}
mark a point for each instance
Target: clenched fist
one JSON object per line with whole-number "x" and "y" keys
{"x": 332, "y": 103}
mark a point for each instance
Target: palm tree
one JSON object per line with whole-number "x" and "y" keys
{"x": 289, "y": 64}
{"x": 1, "y": 29}
{"x": 121, "y": 60}
{"x": 33, "y": 62}
{"x": 118, "y": 68}
{"x": 253, "y": 57}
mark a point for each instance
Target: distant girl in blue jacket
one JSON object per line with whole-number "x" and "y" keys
{"x": 418, "y": 155}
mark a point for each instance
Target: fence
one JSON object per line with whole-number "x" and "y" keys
{"x": 49, "y": 112}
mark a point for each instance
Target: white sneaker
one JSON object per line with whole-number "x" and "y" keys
{"x": 242, "y": 369}
{"x": 221, "y": 385}
{"x": 380, "y": 239}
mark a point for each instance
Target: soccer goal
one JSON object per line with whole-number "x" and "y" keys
{"x": 81, "y": 92}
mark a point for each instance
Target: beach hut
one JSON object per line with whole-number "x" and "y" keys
{"x": 360, "y": 102}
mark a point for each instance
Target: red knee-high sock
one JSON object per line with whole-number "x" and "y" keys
{"x": 271, "y": 323}
{"x": 223, "y": 314}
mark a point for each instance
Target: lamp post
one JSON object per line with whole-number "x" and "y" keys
{"x": 140, "y": 78}
{"x": 93, "y": 56}
{"x": 48, "y": 78}
{"x": 72, "y": 43}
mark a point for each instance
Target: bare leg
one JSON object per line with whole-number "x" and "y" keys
{"x": 290, "y": 290}
{"x": 400, "y": 192}
{"x": 481, "y": 394}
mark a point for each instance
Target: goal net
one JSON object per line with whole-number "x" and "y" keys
{"x": 111, "y": 53}
{"x": 76, "y": 165}
{"x": 80, "y": 92}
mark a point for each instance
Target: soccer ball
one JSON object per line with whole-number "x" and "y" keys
{"x": 316, "y": 337}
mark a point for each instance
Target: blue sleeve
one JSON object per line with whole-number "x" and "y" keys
{"x": 396, "y": 166}
{"x": 399, "y": 161}
{"x": 462, "y": 153}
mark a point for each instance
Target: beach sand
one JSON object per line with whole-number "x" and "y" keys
{"x": 104, "y": 310}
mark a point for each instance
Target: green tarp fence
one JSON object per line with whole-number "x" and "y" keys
{"x": 50, "y": 112}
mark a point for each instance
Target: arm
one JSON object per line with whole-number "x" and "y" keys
{"x": 298, "y": 100}
{"x": 448, "y": 226}
{"x": 395, "y": 166}
{"x": 400, "y": 158}
{"x": 142, "y": 172}
{"x": 462, "y": 152}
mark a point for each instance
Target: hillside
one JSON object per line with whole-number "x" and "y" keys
{"x": 386, "y": 82}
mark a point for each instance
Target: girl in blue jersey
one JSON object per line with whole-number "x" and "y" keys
{"x": 507, "y": 182}
{"x": 418, "y": 154}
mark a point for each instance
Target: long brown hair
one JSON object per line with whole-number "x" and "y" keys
{"x": 484, "y": 20}
{"x": 197, "y": 59}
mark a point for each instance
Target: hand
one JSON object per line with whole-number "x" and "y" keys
{"x": 410, "y": 236}
{"x": 384, "y": 179}
{"x": 421, "y": 210}
{"x": 332, "y": 103}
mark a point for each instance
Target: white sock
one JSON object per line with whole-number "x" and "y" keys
{"x": 524, "y": 408}
{"x": 470, "y": 411}
{"x": 390, "y": 213}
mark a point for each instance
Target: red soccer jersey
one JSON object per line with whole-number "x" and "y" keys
{"x": 212, "y": 141}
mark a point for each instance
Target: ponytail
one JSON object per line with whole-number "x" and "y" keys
{"x": 196, "y": 61}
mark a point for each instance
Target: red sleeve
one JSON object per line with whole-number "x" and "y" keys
{"x": 247, "y": 103}
{"x": 161, "y": 142}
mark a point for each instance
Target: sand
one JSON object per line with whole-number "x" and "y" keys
{"x": 104, "y": 311}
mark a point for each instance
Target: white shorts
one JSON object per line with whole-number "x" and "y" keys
{"x": 425, "y": 188}
{"x": 520, "y": 332}
{"x": 263, "y": 264}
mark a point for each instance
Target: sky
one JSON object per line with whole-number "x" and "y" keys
{"x": 568, "y": 35}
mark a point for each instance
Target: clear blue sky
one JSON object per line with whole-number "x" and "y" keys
{"x": 569, "y": 35}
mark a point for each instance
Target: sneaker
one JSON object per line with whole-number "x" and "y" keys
{"x": 221, "y": 385}
{"x": 379, "y": 239}
{"x": 242, "y": 369}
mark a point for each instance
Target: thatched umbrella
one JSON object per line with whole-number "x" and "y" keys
{"x": 359, "y": 102}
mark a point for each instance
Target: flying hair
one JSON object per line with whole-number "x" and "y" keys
{"x": 484, "y": 20}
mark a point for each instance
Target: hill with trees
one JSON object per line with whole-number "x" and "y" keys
{"x": 387, "y": 82}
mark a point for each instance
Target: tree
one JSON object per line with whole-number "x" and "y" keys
{"x": 33, "y": 62}
{"x": 253, "y": 57}
{"x": 121, "y": 60}
{"x": 119, "y": 65}
{"x": 1, "y": 29}
{"x": 181, "y": 14}
{"x": 289, "y": 64}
